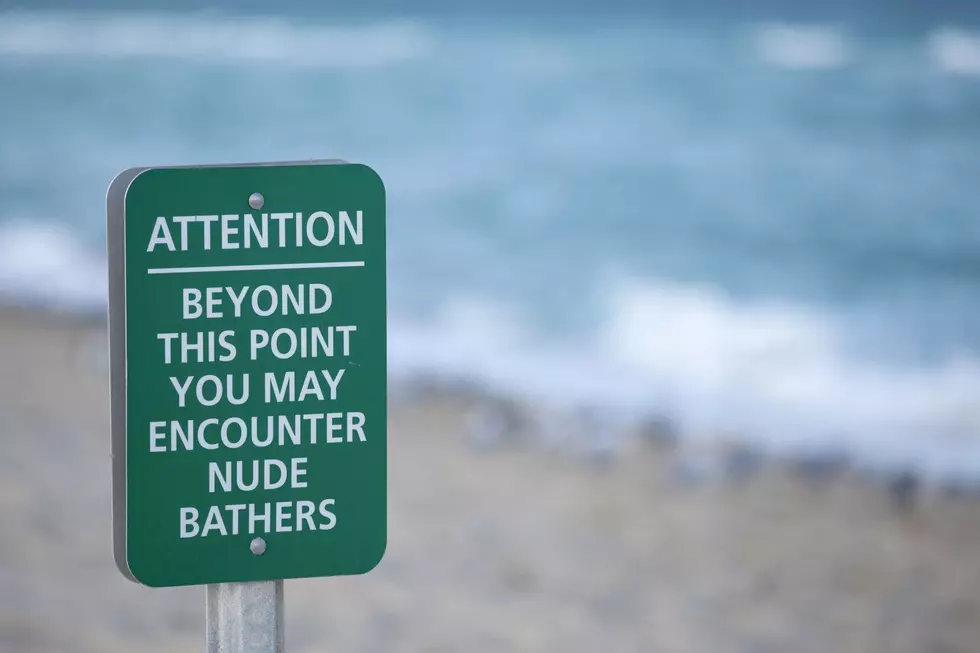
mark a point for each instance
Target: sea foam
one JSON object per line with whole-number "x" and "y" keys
{"x": 775, "y": 376}
{"x": 209, "y": 37}
{"x": 43, "y": 264}
{"x": 801, "y": 47}
{"x": 955, "y": 51}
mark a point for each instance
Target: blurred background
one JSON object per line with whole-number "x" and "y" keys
{"x": 683, "y": 319}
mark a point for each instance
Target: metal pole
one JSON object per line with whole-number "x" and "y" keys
{"x": 246, "y": 617}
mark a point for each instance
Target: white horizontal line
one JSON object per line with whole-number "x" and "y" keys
{"x": 271, "y": 266}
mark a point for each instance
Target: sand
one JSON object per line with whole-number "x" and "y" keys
{"x": 513, "y": 547}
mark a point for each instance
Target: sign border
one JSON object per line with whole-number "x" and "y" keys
{"x": 118, "y": 387}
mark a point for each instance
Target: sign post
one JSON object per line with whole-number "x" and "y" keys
{"x": 245, "y": 618}
{"x": 247, "y": 337}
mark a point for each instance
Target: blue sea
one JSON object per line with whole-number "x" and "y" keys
{"x": 765, "y": 229}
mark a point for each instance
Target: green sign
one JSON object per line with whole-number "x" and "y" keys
{"x": 248, "y": 353}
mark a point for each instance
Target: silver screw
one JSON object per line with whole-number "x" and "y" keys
{"x": 255, "y": 200}
{"x": 257, "y": 546}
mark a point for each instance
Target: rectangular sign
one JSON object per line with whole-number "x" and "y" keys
{"x": 247, "y": 329}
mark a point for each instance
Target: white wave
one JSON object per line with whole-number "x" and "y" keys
{"x": 801, "y": 47}
{"x": 43, "y": 264}
{"x": 955, "y": 51}
{"x": 774, "y": 375}
{"x": 779, "y": 375}
{"x": 209, "y": 37}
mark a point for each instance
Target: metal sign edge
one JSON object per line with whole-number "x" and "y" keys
{"x": 250, "y": 164}
{"x": 116, "y": 251}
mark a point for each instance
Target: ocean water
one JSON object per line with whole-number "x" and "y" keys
{"x": 767, "y": 230}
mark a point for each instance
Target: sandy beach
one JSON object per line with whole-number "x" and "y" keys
{"x": 512, "y": 547}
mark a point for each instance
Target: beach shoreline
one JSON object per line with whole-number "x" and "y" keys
{"x": 496, "y": 543}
